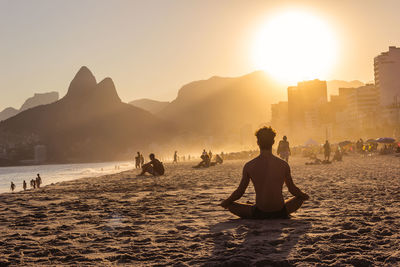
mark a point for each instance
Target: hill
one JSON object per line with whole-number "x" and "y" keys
{"x": 227, "y": 110}
{"x": 34, "y": 101}
{"x": 89, "y": 123}
{"x": 153, "y": 106}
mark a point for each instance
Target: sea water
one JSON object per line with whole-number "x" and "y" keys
{"x": 57, "y": 173}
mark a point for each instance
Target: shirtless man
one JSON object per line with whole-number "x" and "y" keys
{"x": 268, "y": 174}
{"x": 154, "y": 167}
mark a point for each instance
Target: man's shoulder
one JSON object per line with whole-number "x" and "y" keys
{"x": 280, "y": 162}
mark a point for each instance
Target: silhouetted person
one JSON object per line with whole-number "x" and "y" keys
{"x": 338, "y": 155}
{"x": 268, "y": 174}
{"x": 175, "y": 157}
{"x": 218, "y": 159}
{"x": 284, "y": 149}
{"x": 38, "y": 181}
{"x": 327, "y": 150}
{"x": 141, "y": 160}
{"x": 205, "y": 161}
{"x": 154, "y": 167}
{"x": 33, "y": 183}
{"x": 137, "y": 160}
{"x": 24, "y": 185}
{"x": 210, "y": 154}
{"x": 12, "y": 187}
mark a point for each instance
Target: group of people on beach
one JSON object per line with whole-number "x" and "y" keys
{"x": 34, "y": 183}
{"x": 206, "y": 160}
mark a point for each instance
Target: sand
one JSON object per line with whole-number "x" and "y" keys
{"x": 352, "y": 218}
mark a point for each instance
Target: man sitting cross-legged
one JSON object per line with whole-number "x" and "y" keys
{"x": 268, "y": 174}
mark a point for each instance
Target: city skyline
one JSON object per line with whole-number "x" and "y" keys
{"x": 150, "y": 49}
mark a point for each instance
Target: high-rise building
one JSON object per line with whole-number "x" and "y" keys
{"x": 387, "y": 76}
{"x": 304, "y": 104}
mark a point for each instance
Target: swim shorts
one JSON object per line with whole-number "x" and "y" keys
{"x": 256, "y": 213}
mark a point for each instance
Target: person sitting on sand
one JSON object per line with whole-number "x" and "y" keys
{"x": 268, "y": 173}
{"x": 338, "y": 155}
{"x": 24, "y": 185}
{"x": 284, "y": 149}
{"x": 218, "y": 159}
{"x": 205, "y": 161}
{"x": 154, "y": 167}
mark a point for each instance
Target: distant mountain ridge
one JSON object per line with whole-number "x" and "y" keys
{"x": 89, "y": 123}
{"x": 153, "y": 106}
{"x": 37, "y": 100}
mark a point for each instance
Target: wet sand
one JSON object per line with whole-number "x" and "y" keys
{"x": 352, "y": 218}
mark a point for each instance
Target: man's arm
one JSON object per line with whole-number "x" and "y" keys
{"x": 293, "y": 189}
{"x": 238, "y": 193}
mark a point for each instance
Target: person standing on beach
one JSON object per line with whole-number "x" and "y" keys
{"x": 284, "y": 149}
{"x": 137, "y": 161}
{"x": 154, "y": 167}
{"x": 12, "y": 187}
{"x": 175, "y": 157}
{"x": 141, "y": 160}
{"x": 38, "y": 181}
{"x": 33, "y": 183}
{"x": 24, "y": 185}
{"x": 268, "y": 173}
{"x": 327, "y": 150}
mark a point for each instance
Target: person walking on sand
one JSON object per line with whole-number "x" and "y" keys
{"x": 24, "y": 185}
{"x": 12, "y": 187}
{"x": 154, "y": 167}
{"x": 268, "y": 173}
{"x": 33, "y": 183}
{"x": 137, "y": 160}
{"x": 284, "y": 149}
{"x": 141, "y": 160}
{"x": 327, "y": 150}
{"x": 175, "y": 157}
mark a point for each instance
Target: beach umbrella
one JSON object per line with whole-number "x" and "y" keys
{"x": 344, "y": 143}
{"x": 385, "y": 140}
{"x": 311, "y": 142}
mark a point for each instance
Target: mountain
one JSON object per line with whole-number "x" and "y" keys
{"x": 36, "y": 100}
{"x": 39, "y": 99}
{"x": 150, "y": 105}
{"x": 221, "y": 107}
{"x": 7, "y": 113}
{"x": 334, "y": 85}
{"x": 89, "y": 123}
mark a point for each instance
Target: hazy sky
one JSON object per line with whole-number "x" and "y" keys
{"x": 151, "y": 48}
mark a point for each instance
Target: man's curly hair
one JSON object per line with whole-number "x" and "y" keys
{"x": 265, "y": 137}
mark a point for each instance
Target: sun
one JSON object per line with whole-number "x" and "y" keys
{"x": 294, "y": 46}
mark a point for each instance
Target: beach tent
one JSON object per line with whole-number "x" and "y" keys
{"x": 385, "y": 140}
{"x": 344, "y": 143}
{"x": 311, "y": 142}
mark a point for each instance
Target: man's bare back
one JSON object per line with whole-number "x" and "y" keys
{"x": 268, "y": 173}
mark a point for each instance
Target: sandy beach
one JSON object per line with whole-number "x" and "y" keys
{"x": 352, "y": 218}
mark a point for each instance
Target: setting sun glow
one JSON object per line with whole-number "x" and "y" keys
{"x": 294, "y": 46}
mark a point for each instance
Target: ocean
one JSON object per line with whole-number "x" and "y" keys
{"x": 57, "y": 173}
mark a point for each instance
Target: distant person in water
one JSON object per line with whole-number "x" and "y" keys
{"x": 24, "y": 185}
{"x": 154, "y": 167}
{"x": 137, "y": 160}
{"x": 175, "y": 157}
{"x": 12, "y": 187}
{"x": 327, "y": 150}
{"x": 38, "y": 180}
{"x": 268, "y": 174}
{"x": 284, "y": 149}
